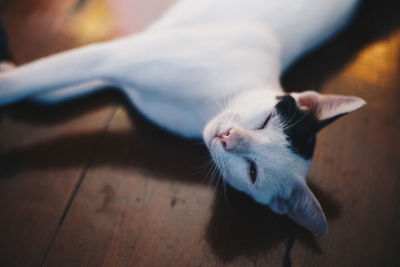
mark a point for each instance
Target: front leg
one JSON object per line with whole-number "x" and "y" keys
{"x": 70, "y": 68}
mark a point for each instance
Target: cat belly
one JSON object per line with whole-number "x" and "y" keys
{"x": 186, "y": 119}
{"x": 198, "y": 62}
{"x": 299, "y": 26}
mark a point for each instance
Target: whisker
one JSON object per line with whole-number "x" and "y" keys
{"x": 199, "y": 143}
{"x": 296, "y": 122}
{"x": 225, "y": 192}
{"x": 214, "y": 178}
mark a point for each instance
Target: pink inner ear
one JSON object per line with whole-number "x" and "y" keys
{"x": 328, "y": 106}
{"x": 309, "y": 100}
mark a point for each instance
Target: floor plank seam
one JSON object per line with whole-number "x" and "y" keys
{"x": 77, "y": 186}
{"x": 287, "y": 259}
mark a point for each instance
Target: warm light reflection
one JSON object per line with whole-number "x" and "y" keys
{"x": 106, "y": 19}
{"x": 93, "y": 23}
{"x": 375, "y": 60}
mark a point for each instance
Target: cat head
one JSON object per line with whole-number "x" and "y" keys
{"x": 263, "y": 143}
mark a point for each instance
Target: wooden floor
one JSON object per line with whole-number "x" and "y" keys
{"x": 90, "y": 183}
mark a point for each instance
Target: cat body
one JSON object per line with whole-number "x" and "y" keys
{"x": 196, "y": 50}
{"x": 210, "y": 69}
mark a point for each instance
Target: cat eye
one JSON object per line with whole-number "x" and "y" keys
{"x": 253, "y": 171}
{"x": 265, "y": 122}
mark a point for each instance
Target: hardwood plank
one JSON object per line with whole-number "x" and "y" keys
{"x": 143, "y": 200}
{"x": 357, "y": 163}
{"x": 143, "y": 203}
{"x": 37, "y": 186}
{"x": 34, "y": 191}
{"x": 159, "y": 235}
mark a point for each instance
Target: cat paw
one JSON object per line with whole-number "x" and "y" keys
{"x": 6, "y": 66}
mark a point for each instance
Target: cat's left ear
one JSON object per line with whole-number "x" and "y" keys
{"x": 327, "y": 107}
{"x": 303, "y": 208}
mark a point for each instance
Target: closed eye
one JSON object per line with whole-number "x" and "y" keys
{"x": 265, "y": 122}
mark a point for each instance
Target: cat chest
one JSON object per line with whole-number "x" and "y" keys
{"x": 184, "y": 118}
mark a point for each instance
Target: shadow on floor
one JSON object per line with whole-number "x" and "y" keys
{"x": 241, "y": 228}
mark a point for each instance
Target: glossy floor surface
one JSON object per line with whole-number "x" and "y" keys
{"x": 91, "y": 183}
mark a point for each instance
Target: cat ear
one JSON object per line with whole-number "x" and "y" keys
{"x": 327, "y": 107}
{"x": 303, "y": 208}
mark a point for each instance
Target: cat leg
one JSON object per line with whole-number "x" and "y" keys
{"x": 72, "y": 92}
{"x": 77, "y": 66}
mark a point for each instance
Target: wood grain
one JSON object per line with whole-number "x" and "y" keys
{"x": 34, "y": 192}
{"x": 91, "y": 183}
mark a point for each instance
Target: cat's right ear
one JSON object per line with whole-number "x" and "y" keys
{"x": 327, "y": 107}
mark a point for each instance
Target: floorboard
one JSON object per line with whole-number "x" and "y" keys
{"x": 34, "y": 190}
{"x": 90, "y": 182}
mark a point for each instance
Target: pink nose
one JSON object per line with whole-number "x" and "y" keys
{"x": 229, "y": 139}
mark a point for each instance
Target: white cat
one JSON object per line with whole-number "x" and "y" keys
{"x": 211, "y": 69}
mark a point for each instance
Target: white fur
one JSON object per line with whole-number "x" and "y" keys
{"x": 197, "y": 49}
{"x": 205, "y": 67}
